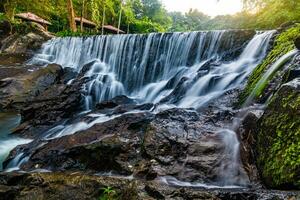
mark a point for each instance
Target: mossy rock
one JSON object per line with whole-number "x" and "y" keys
{"x": 278, "y": 139}
{"x": 284, "y": 43}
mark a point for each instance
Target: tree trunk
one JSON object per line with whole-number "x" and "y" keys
{"x": 103, "y": 17}
{"x": 120, "y": 16}
{"x": 71, "y": 16}
{"x": 82, "y": 14}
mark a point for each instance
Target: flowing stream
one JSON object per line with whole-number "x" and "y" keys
{"x": 9, "y": 121}
{"x": 186, "y": 70}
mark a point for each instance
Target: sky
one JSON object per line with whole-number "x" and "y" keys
{"x": 209, "y": 7}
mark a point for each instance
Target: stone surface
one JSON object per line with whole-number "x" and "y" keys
{"x": 246, "y": 133}
{"x": 177, "y": 142}
{"x": 119, "y": 100}
{"x": 65, "y": 186}
{"x": 30, "y": 40}
{"x": 15, "y": 91}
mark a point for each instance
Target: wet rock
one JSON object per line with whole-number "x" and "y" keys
{"x": 52, "y": 105}
{"x": 111, "y": 146}
{"x": 297, "y": 43}
{"x": 277, "y": 138}
{"x": 15, "y": 59}
{"x": 293, "y": 70}
{"x": 119, "y": 100}
{"x": 178, "y": 93}
{"x": 15, "y": 91}
{"x": 69, "y": 74}
{"x": 246, "y": 132}
{"x": 176, "y": 142}
{"x": 241, "y": 37}
{"x": 80, "y": 186}
{"x": 87, "y": 67}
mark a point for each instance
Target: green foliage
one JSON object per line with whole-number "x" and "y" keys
{"x": 138, "y": 16}
{"x": 68, "y": 33}
{"x": 143, "y": 16}
{"x": 283, "y": 44}
{"x": 108, "y": 193}
{"x": 273, "y": 13}
{"x": 2, "y": 17}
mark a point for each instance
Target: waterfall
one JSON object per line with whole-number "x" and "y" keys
{"x": 186, "y": 70}
{"x": 183, "y": 69}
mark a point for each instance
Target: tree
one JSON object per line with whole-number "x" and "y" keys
{"x": 71, "y": 16}
{"x": 120, "y": 15}
{"x": 103, "y": 17}
{"x": 81, "y": 17}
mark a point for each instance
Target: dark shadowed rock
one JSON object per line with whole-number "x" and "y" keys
{"x": 297, "y": 43}
{"x": 16, "y": 91}
{"x": 52, "y": 105}
{"x": 119, "y": 100}
{"x": 69, "y": 74}
{"x": 246, "y": 132}
{"x": 5, "y": 28}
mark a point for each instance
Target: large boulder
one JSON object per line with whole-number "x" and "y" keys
{"x": 25, "y": 41}
{"x": 52, "y": 105}
{"x": 16, "y": 91}
{"x": 278, "y": 139}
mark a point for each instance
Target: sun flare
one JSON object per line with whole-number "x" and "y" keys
{"x": 209, "y": 7}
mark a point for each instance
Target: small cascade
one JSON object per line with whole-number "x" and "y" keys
{"x": 14, "y": 165}
{"x": 9, "y": 121}
{"x": 268, "y": 74}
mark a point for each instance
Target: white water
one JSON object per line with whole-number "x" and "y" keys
{"x": 175, "y": 70}
{"x": 174, "y": 182}
{"x": 8, "y": 121}
{"x": 150, "y": 68}
{"x": 108, "y": 58}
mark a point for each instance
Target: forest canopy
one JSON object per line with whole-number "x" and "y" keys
{"x": 144, "y": 16}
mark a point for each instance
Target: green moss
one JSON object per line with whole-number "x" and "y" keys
{"x": 284, "y": 43}
{"x": 278, "y": 141}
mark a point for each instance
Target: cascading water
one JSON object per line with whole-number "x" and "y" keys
{"x": 178, "y": 69}
{"x": 8, "y": 121}
{"x": 153, "y": 68}
{"x": 268, "y": 74}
